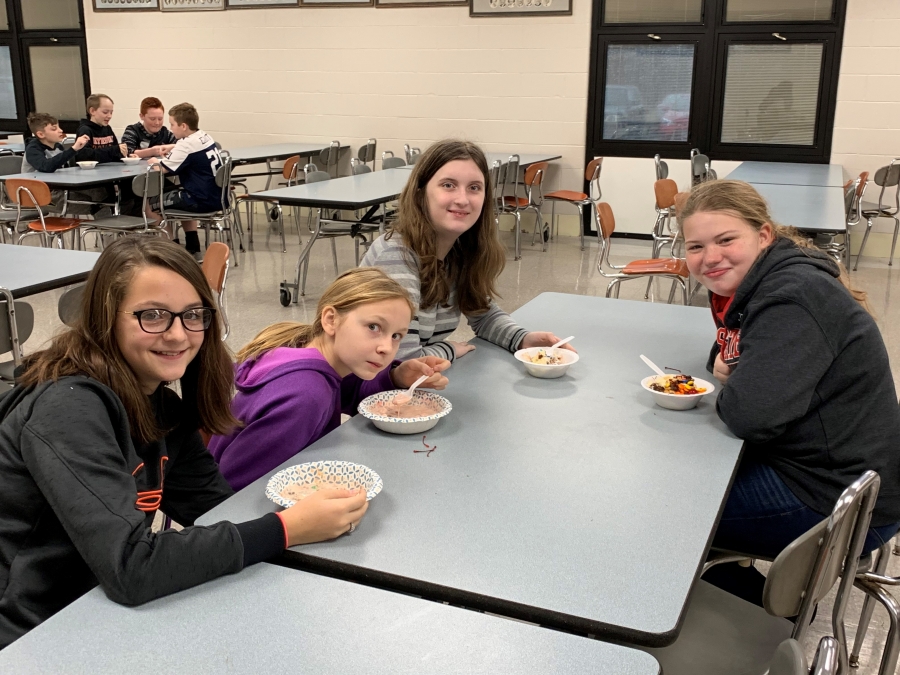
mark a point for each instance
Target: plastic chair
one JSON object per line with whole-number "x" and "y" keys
{"x": 412, "y": 154}
{"x": 215, "y": 268}
{"x": 656, "y": 268}
{"x": 69, "y": 305}
{"x": 35, "y": 194}
{"x": 146, "y": 185}
{"x": 665, "y": 191}
{"x": 357, "y": 167}
{"x": 329, "y": 157}
{"x": 789, "y": 658}
{"x": 875, "y": 585}
{"x": 886, "y": 177}
{"x": 366, "y": 153}
{"x": 388, "y": 161}
{"x": 15, "y": 328}
{"x": 662, "y": 169}
{"x": 700, "y": 168}
{"x": 578, "y": 199}
{"x": 723, "y": 633}
{"x": 509, "y": 201}
{"x": 291, "y": 172}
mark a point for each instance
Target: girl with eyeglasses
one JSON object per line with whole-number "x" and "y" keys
{"x": 92, "y": 444}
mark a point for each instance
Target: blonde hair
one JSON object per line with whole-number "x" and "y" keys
{"x": 743, "y": 201}
{"x": 360, "y": 286}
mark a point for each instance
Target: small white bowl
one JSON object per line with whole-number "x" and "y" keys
{"x": 87, "y": 165}
{"x": 405, "y": 425}
{"x": 546, "y": 370}
{"x": 677, "y": 401}
{"x": 327, "y": 471}
{"x": 131, "y": 160}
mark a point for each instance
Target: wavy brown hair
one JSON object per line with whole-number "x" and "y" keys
{"x": 741, "y": 200}
{"x": 359, "y": 286}
{"x": 476, "y": 259}
{"x": 90, "y": 347}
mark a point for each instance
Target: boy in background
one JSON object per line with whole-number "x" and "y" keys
{"x": 195, "y": 159}
{"x": 149, "y": 137}
{"x": 102, "y": 146}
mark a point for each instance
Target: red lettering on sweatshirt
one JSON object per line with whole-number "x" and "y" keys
{"x": 102, "y": 141}
{"x": 729, "y": 340}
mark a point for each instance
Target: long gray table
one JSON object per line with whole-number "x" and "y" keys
{"x": 786, "y": 173}
{"x": 75, "y": 177}
{"x": 267, "y": 619}
{"x": 15, "y": 148}
{"x": 808, "y": 208}
{"x": 275, "y": 151}
{"x": 575, "y": 503}
{"x": 27, "y": 270}
{"x": 526, "y": 159}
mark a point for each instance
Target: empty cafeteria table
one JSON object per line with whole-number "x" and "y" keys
{"x": 28, "y": 270}
{"x": 808, "y": 208}
{"x": 75, "y": 177}
{"x": 525, "y": 159}
{"x": 785, "y": 173}
{"x": 351, "y": 192}
{"x": 574, "y": 503}
{"x": 7, "y": 134}
{"x": 275, "y": 151}
{"x": 14, "y": 148}
{"x": 267, "y": 619}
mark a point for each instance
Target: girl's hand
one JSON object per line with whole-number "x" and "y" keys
{"x": 543, "y": 339}
{"x": 408, "y": 372}
{"x": 326, "y": 514}
{"x": 720, "y": 370}
{"x": 461, "y": 348}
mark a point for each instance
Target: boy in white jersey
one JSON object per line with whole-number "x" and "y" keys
{"x": 195, "y": 159}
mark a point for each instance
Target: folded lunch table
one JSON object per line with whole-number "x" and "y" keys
{"x": 787, "y": 173}
{"x": 575, "y": 503}
{"x": 268, "y": 619}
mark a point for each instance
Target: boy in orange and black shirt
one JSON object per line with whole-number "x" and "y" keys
{"x": 103, "y": 145}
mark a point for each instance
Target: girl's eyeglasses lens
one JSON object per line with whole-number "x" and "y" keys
{"x": 160, "y": 320}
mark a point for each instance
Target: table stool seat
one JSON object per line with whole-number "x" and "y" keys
{"x": 55, "y": 224}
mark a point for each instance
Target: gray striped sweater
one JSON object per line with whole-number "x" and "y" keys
{"x": 430, "y": 327}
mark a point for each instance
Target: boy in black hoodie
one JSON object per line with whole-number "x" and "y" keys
{"x": 102, "y": 146}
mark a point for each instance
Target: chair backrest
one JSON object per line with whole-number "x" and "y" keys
{"x": 534, "y": 173}
{"x": 592, "y": 176}
{"x": 24, "y": 324}
{"x": 68, "y": 143}
{"x": 392, "y": 162}
{"x": 680, "y": 200}
{"x": 223, "y": 180}
{"x": 366, "y": 152}
{"x": 357, "y": 167}
{"x": 662, "y": 169}
{"x": 607, "y": 221}
{"x": 313, "y": 175}
{"x": 10, "y": 164}
{"x": 806, "y": 570}
{"x": 28, "y": 192}
{"x": 329, "y": 156}
{"x": 509, "y": 180}
{"x": 215, "y": 265}
{"x": 888, "y": 177}
{"x": 290, "y": 168}
{"x": 69, "y": 306}
{"x": 826, "y": 661}
{"x": 665, "y": 191}
{"x": 412, "y": 154}
{"x": 700, "y": 168}
{"x": 789, "y": 659}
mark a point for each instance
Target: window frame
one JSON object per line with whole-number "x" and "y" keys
{"x": 713, "y": 36}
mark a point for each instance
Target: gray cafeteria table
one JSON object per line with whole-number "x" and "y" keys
{"x": 28, "y": 270}
{"x": 366, "y": 190}
{"x": 575, "y": 503}
{"x": 808, "y": 208}
{"x": 267, "y": 619}
{"x": 257, "y": 154}
{"x": 14, "y": 148}
{"x": 786, "y": 173}
{"x": 526, "y": 159}
{"x": 75, "y": 177}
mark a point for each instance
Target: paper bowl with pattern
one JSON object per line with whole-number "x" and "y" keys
{"x": 544, "y": 370}
{"x": 378, "y": 409}
{"x": 87, "y": 165}
{"x": 677, "y": 401}
{"x": 131, "y": 160}
{"x": 312, "y": 476}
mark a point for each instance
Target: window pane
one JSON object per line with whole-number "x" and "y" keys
{"x": 648, "y": 92}
{"x": 39, "y": 14}
{"x": 652, "y": 11}
{"x": 771, "y": 94}
{"x": 778, "y": 10}
{"x": 7, "y": 89}
{"x": 58, "y": 81}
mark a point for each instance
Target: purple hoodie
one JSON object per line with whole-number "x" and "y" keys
{"x": 287, "y": 399}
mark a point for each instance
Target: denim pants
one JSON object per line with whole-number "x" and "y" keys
{"x": 762, "y": 516}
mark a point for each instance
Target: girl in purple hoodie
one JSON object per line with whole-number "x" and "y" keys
{"x": 294, "y": 380}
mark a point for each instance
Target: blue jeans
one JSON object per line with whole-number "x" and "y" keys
{"x": 762, "y": 516}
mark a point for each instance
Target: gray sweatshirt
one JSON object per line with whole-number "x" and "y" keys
{"x": 431, "y": 326}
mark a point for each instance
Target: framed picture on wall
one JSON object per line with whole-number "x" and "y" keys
{"x": 191, "y": 5}
{"x": 420, "y": 3}
{"x": 337, "y": 3}
{"x": 126, "y": 5}
{"x": 519, "y": 7}
{"x": 244, "y": 4}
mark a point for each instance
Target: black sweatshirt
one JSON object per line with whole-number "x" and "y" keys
{"x": 811, "y": 392}
{"x": 40, "y": 157}
{"x": 77, "y": 499}
{"x": 103, "y": 146}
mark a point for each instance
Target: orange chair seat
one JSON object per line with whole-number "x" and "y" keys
{"x": 657, "y": 266}
{"x": 509, "y": 200}
{"x": 55, "y": 224}
{"x": 566, "y": 195}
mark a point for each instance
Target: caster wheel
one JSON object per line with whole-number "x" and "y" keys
{"x": 273, "y": 215}
{"x": 285, "y": 297}
{"x": 546, "y": 234}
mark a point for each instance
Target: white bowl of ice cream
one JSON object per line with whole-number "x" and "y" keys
{"x": 546, "y": 363}
{"x": 417, "y": 416}
{"x": 131, "y": 160}
{"x": 87, "y": 165}
{"x": 665, "y": 391}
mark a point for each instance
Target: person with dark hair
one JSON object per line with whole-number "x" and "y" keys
{"x": 445, "y": 251}
{"x": 149, "y": 137}
{"x": 93, "y": 443}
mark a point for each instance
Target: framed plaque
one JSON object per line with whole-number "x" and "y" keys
{"x": 336, "y": 3}
{"x": 126, "y": 5}
{"x": 519, "y": 7}
{"x": 191, "y": 5}
{"x": 244, "y": 4}
{"x": 420, "y": 3}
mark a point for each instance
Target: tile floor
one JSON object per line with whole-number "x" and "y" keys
{"x": 253, "y": 303}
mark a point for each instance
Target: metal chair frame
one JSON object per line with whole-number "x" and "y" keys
{"x": 367, "y": 152}
{"x": 330, "y": 157}
{"x": 47, "y": 237}
{"x": 662, "y": 168}
{"x": 412, "y": 154}
{"x": 148, "y": 184}
{"x": 591, "y": 198}
{"x": 886, "y": 177}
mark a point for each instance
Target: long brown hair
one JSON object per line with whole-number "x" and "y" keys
{"x": 741, "y": 199}
{"x": 359, "y": 286}
{"x": 90, "y": 347}
{"x": 476, "y": 259}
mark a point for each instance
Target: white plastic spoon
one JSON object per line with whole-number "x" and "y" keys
{"x": 405, "y": 397}
{"x": 563, "y": 342}
{"x": 655, "y": 367}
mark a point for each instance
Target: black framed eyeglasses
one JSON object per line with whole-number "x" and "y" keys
{"x": 196, "y": 319}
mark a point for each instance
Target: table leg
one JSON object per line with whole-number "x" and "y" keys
{"x": 13, "y": 328}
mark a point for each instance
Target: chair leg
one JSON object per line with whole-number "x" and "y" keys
{"x": 884, "y": 554}
{"x": 334, "y": 254}
{"x": 894, "y": 242}
{"x": 891, "y": 653}
{"x": 862, "y": 246}
{"x": 552, "y": 217}
{"x": 580, "y": 224}
{"x": 518, "y": 234}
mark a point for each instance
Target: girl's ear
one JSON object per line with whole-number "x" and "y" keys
{"x": 766, "y": 235}
{"x": 329, "y": 321}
